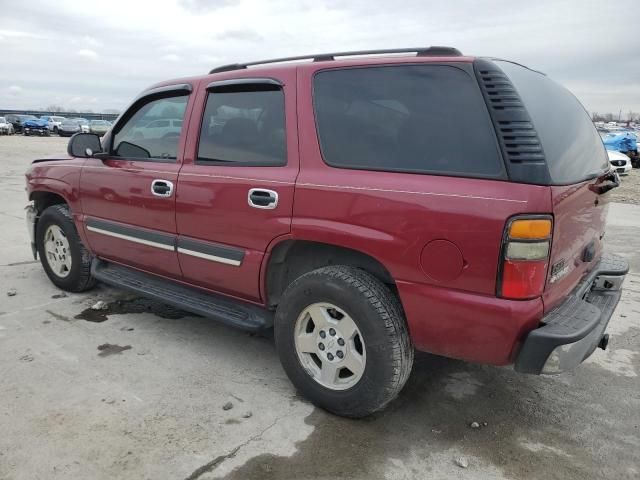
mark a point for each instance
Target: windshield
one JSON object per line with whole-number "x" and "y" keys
{"x": 99, "y": 122}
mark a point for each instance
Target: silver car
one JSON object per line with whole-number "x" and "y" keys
{"x": 6, "y": 127}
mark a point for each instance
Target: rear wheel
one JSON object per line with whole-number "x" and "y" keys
{"x": 342, "y": 339}
{"x": 64, "y": 258}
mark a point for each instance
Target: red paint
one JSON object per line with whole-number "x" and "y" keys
{"x": 441, "y": 260}
{"x": 465, "y": 325}
{"x": 212, "y": 204}
{"x": 579, "y": 218}
{"x": 447, "y": 289}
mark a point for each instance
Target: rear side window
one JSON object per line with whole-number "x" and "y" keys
{"x": 409, "y": 118}
{"x": 243, "y": 128}
{"x": 572, "y": 147}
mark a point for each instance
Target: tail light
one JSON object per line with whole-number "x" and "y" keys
{"x": 525, "y": 257}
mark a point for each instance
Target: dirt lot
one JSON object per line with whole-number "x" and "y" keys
{"x": 629, "y": 189}
{"x": 149, "y": 404}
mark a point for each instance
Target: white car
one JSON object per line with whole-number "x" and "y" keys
{"x": 84, "y": 124}
{"x": 6, "y": 127}
{"x": 53, "y": 121}
{"x": 620, "y": 162}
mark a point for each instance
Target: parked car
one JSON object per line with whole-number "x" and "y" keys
{"x": 625, "y": 142}
{"x": 84, "y": 124}
{"x": 68, "y": 127}
{"x": 18, "y": 120}
{"x": 99, "y": 127}
{"x": 54, "y": 122}
{"x": 620, "y": 162}
{"x": 36, "y": 126}
{"x": 6, "y": 127}
{"x": 323, "y": 199}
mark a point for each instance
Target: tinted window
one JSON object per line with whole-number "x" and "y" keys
{"x": 142, "y": 137}
{"x": 243, "y": 128}
{"x": 425, "y": 119}
{"x": 570, "y": 141}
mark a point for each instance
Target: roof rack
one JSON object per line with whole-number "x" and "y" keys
{"x": 322, "y": 57}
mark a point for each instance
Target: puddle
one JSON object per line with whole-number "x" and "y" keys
{"x": 426, "y": 426}
{"x": 107, "y": 349}
{"x": 132, "y": 305}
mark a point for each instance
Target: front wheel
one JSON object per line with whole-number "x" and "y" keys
{"x": 64, "y": 258}
{"x": 343, "y": 340}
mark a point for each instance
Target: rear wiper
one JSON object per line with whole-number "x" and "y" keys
{"x": 607, "y": 182}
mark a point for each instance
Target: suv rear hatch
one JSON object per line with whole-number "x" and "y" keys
{"x": 578, "y": 175}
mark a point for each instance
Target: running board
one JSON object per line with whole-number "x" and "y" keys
{"x": 223, "y": 309}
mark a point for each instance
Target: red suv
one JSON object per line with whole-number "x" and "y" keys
{"x": 362, "y": 205}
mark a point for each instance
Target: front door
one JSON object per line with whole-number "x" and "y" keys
{"x": 235, "y": 189}
{"x": 128, "y": 199}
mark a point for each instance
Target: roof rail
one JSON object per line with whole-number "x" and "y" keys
{"x": 322, "y": 57}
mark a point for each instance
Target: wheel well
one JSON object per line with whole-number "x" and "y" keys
{"x": 293, "y": 258}
{"x": 44, "y": 200}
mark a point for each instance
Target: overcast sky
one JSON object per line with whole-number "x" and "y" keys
{"x": 98, "y": 55}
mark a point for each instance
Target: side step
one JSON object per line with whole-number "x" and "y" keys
{"x": 231, "y": 312}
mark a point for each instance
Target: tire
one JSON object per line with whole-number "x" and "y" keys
{"x": 344, "y": 293}
{"x": 76, "y": 276}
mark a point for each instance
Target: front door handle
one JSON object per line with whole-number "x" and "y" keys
{"x": 262, "y": 198}
{"x": 162, "y": 188}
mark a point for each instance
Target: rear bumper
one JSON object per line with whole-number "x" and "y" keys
{"x": 573, "y": 330}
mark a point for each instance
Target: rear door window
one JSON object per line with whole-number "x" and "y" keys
{"x": 243, "y": 127}
{"x": 571, "y": 144}
{"x": 408, "y": 118}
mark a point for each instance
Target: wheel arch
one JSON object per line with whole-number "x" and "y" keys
{"x": 291, "y": 258}
{"x": 43, "y": 199}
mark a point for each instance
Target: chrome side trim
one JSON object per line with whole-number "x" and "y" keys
{"x": 131, "y": 239}
{"x": 387, "y": 190}
{"x": 206, "y": 256}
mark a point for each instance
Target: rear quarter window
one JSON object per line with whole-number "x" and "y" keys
{"x": 408, "y": 118}
{"x": 572, "y": 146}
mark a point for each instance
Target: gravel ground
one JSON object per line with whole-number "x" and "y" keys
{"x": 143, "y": 391}
{"x": 629, "y": 189}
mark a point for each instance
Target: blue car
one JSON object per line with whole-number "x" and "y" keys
{"x": 625, "y": 142}
{"x": 36, "y": 126}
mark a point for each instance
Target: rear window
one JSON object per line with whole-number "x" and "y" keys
{"x": 572, "y": 146}
{"x": 409, "y": 118}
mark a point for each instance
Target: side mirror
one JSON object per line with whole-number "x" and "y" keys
{"x": 84, "y": 145}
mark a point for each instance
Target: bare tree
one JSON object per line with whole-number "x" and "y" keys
{"x": 55, "y": 108}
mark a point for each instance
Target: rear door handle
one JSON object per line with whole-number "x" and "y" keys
{"x": 162, "y": 188}
{"x": 262, "y": 198}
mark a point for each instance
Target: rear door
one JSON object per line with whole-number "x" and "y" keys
{"x": 578, "y": 168}
{"x": 128, "y": 199}
{"x": 235, "y": 190}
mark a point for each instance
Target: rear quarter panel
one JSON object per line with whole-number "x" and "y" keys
{"x": 393, "y": 216}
